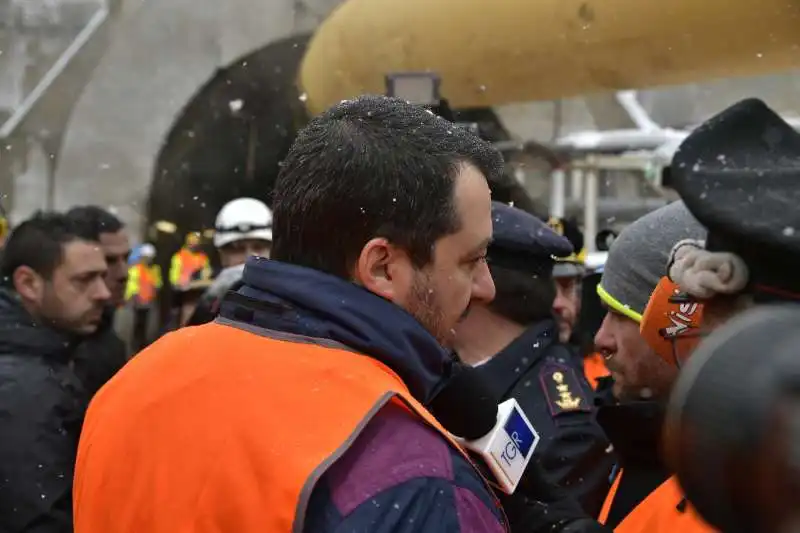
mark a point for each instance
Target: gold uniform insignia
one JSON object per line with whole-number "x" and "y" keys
{"x": 563, "y": 390}
{"x": 556, "y": 225}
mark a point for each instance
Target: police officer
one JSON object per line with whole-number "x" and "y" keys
{"x": 568, "y": 273}
{"x": 514, "y": 342}
{"x": 577, "y": 306}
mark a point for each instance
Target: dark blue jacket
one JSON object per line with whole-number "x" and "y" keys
{"x": 399, "y": 475}
{"x": 546, "y": 378}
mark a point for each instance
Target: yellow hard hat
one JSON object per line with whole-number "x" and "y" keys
{"x": 192, "y": 238}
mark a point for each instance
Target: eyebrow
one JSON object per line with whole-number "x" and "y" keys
{"x": 482, "y": 246}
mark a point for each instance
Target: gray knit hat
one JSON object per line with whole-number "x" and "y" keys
{"x": 638, "y": 258}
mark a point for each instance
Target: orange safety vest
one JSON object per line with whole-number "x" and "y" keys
{"x": 659, "y": 512}
{"x": 147, "y": 284}
{"x": 191, "y": 262}
{"x": 594, "y": 368}
{"x": 224, "y": 428}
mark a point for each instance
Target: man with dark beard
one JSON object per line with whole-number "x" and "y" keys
{"x": 304, "y": 406}
{"x": 52, "y": 296}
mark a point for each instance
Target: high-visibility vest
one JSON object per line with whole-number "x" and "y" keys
{"x": 184, "y": 264}
{"x": 665, "y": 510}
{"x": 143, "y": 283}
{"x": 216, "y": 429}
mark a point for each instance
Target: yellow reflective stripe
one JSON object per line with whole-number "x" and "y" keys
{"x": 617, "y": 306}
{"x": 175, "y": 269}
{"x": 155, "y": 271}
{"x": 132, "y": 287}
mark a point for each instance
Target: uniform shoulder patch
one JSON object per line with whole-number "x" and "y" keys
{"x": 563, "y": 390}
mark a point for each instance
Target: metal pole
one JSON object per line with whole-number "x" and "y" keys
{"x": 557, "y": 193}
{"x": 50, "y": 200}
{"x": 629, "y": 100}
{"x": 576, "y": 184}
{"x": 58, "y": 67}
{"x": 590, "y": 207}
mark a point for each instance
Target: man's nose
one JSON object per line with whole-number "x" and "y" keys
{"x": 483, "y": 289}
{"x": 560, "y": 302}
{"x": 603, "y": 340}
{"x": 101, "y": 292}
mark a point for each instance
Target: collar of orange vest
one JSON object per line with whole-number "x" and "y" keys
{"x": 307, "y": 302}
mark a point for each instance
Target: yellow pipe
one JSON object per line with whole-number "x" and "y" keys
{"x": 491, "y": 52}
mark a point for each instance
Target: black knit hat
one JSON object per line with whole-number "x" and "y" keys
{"x": 739, "y": 175}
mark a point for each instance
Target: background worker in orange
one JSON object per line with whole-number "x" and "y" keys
{"x": 187, "y": 261}
{"x": 285, "y": 413}
{"x": 641, "y": 379}
{"x": 736, "y": 174}
{"x": 144, "y": 282}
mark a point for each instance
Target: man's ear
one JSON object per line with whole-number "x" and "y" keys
{"x": 383, "y": 269}
{"x": 28, "y": 284}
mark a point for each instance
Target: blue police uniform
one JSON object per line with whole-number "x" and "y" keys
{"x": 545, "y": 376}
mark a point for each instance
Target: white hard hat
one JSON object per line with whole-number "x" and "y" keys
{"x": 243, "y": 218}
{"x": 147, "y": 250}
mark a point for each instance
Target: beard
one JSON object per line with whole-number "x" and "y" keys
{"x": 424, "y": 306}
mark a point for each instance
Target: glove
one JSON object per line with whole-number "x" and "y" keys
{"x": 537, "y": 506}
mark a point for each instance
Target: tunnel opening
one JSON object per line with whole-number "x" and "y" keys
{"x": 229, "y": 138}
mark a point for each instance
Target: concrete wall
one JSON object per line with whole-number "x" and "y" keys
{"x": 162, "y": 53}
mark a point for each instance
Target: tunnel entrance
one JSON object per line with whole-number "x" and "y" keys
{"x": 229, "y": 138}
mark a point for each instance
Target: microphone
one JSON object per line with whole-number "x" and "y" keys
{"x": 508, "y": 447}
{"x": 501, "y": 438}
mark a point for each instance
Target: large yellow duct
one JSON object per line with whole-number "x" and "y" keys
{"x": 492, "y": 52}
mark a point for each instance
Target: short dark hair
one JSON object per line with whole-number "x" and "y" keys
{"x": 522, "y": 297}
{"x": 39, "y": 243}
{"x": 95, "y": 220}
{"x": 372, "y": 167}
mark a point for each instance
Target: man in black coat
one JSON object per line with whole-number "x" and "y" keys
{"x": 52, "y": 297}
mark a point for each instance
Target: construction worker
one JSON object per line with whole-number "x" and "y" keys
{"x": 4, "y": 230}
{"x": 187, "y": 261}
{"x": 738, "y": 175}
{"x": 144, "y": 282}
{"x": 631, "y": 410}
{"x": 188, "y": 296}
{"x": 243, "y": 229}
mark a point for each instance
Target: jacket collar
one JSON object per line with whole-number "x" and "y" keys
{"x": 640, "y": 447}
{"x": 507, "y": 367}
{"x": 308, "y": 302}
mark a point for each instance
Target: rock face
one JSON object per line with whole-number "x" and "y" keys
{"x": 162, "y": 52}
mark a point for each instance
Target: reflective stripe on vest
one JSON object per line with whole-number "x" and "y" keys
{"x": 224, "y": 427}
{"x": 662, "y": 512}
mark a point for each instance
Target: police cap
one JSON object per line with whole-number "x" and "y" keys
{"x": 524, "y": 243}
{"x": 572, "y": 265}
{"x": 739, "y": 175}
